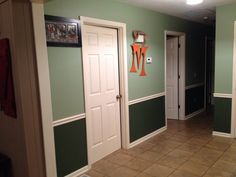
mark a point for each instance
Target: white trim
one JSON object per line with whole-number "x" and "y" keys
{"x": 226, "y": 135}
{"x": 222, "y": 95}
{"x": 233, "y": 115}
{"x": 79, "y": 172}
{"x": 68, "y": 119}
{"x": 194, "y": 113}
{"x": 174, "y": 33}
{"x": 44, "y": 88}
{"x": 182, "y": 58}
{"x": 145, "y": 138}
{"x": 123, "y": 77}
{"x": 182, "y": 71}
{"x": 194, "y": 86}
{"x": 139, "y": 100}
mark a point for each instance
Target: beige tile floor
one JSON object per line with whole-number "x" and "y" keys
{"x": 185, "y": 149}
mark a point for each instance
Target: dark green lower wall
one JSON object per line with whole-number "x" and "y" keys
{"x": 71, "y": 147}
{"x": 222, "y": 115}
{"x": 146, "y": 117}
{"x": 194, "y": 100}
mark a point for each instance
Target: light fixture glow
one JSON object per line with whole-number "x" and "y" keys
{"x": 194, "y": 2}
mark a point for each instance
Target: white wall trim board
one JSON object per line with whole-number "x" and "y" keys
{"x": 194, "y": 85}
{"x": 194, "y": 114}
{"x": 79, "y": 172}
{"x": 145, "y": 138}
{"x": 226, "y": 135}
{"x": 233, "y": 114}
{"x": 139, "y": 100}
{"x": 222, "y": 95}
{"x": 44, "y": 89}
{"x": 68, "y": 119}
{"x": 174, "y": 33}
{"x": 182, "y": 58}
{"x": 124, "y": 103}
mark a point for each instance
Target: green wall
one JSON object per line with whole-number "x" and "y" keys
{"x": 194, "y": 99}
{"x": 222, "y": 115}
{"x": 71, "y": 147}
{"x": 225, "y": 17}
{"x": 146, "y": 117}
{"x": 64, "y": 62}
{"x": 66, "y": 82}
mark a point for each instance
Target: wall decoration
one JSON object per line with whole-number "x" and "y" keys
{"x": 7, "y": 95}
{"x": 139, "y": 52}
{"x": 139, "y": 37}
{"x": 62, "y": 32}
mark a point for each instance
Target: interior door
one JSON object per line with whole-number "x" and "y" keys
{"x": 101, "y": 90}
{"x": 172, "y": 78}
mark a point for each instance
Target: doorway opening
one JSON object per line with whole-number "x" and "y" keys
{"x": 175, "y": 75}
{"x": 210, "y": 72}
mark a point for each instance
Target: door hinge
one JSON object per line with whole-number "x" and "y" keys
{"x": 179, "y": 106}
{"x": 179, "y": 45}
{"x": 179, "y": 76}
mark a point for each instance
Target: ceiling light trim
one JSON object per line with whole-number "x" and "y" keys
{"x": 194, "y": 2}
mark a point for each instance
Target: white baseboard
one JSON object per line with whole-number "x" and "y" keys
{"x": 194, "y": 114}
{"x": 79, "y": 172}
{"x": 145, "y": 138}
{"x": 221, "y": 134}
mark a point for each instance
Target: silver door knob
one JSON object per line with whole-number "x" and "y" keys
{"x": 118, "y": 97}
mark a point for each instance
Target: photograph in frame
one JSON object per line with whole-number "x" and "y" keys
{"x": 62, "y": 32}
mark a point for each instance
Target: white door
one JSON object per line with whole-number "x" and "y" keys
{"x": 102, "y": 87}
{"x": 172, "y": 78}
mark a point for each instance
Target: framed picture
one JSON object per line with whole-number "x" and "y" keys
{"x": 62, "y": 32}
{"x": 139, "y": 37}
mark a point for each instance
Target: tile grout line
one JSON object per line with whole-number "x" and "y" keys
{"x": 180, "y": 135}
{"x": 189, "y": 157}
{"x": 216, "y": 160}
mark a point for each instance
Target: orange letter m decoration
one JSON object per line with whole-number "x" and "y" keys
{"x": 139, "y": 53}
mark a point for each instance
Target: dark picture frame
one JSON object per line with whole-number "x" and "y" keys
{"x": 62, "y": 32}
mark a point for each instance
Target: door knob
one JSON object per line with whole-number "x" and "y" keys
{"x": 118, "y": 97}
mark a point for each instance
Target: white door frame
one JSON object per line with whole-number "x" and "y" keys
{"x": 182, "y": 39}
{"x": 233, "y": 115}
{"x": 123, "y": 76}
{"x": 44, "y": 88}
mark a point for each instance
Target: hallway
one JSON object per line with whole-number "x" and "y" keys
{"x": 186, "y": 149}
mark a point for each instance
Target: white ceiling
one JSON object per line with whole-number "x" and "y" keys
{"x": 180, "y": 9}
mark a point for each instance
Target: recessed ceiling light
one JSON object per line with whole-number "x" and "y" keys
{"x": 194, "y": 2}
